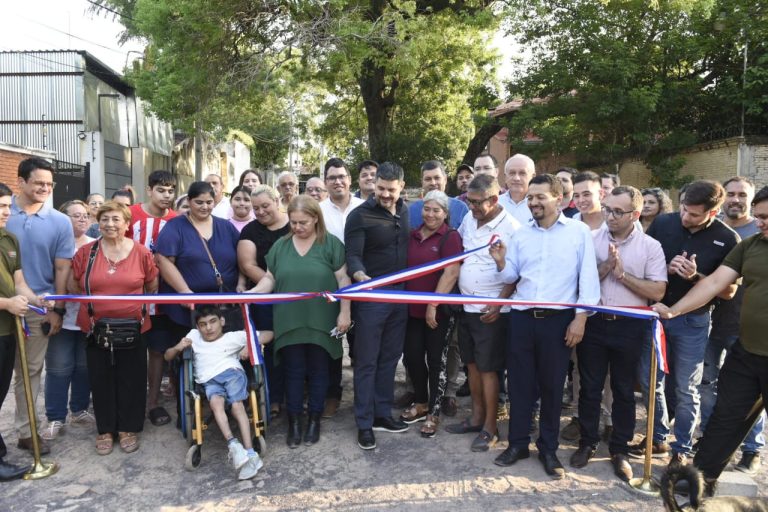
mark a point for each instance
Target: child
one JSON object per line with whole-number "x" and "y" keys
{"x": 218, "y": 369}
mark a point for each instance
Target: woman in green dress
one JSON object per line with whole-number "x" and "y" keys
{"x": 307, "y": 259}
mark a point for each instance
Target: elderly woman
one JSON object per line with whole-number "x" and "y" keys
{"x": 655, "y": 202}
{"x": 309, "y": 259}
{"x": 196, "y": 254}
{"x": 115, "y": 265}
{"x": 65, "y": 360}
{"x": 256, "y": 239}
{"x": 426, "y": 335}
{"x": 94, "y": 202}
{"x": 242, "y": 209}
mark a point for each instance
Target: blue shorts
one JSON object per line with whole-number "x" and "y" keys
{"x": 232, "y": 384}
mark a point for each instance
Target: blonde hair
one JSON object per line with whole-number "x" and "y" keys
{"x": 308, "y": 205}
{"x": 114, "y": 206}
{"x": 265, "y": 189}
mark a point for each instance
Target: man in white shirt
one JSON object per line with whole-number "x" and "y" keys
{"x": 336, "y": 208}
{"x": 221, "y": 204}
{"x": 518, "y": 171}
{"x": 552, "y": 259}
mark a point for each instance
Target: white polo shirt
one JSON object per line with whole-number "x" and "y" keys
{"x": 335, "y": 219}
{"x": 519, "y": 211}
{"x": 478, "y": 275}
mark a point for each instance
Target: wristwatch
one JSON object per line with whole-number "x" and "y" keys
{"x": 60, "y": 311}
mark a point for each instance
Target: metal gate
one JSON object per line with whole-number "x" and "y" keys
{"x": 73, "y": 181}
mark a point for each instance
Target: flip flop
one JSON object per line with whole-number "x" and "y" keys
{"x": 463, "y": 428}
{"x": 159, "y": 416}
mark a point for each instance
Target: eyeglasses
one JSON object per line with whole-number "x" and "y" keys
{"x": 617, "y": 214}
{"x": 478, "y": 202}
{"x": 79, "y": 216}
{"x": 336, "y": 177}
{"x": 45, "y": 184}
{"x": 315, "y": 189}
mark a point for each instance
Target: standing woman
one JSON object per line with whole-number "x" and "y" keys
{"x": 309, "y": 259}
{"x": 250, "y": 179}
{"x": 192, "y": 250}
{"x": 255, "y": 242}
{"x": 242, "y": 209}
{"x": 94, "y": 202}
{"x": 119, "y": 266}
{"x": 655, "y": 202}
{"x": 65, "y": 360}
{"x": 426, "y": 334}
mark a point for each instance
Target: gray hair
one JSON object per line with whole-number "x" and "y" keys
{"x": 484, "y": 184}
{"x": 438, "y": 197}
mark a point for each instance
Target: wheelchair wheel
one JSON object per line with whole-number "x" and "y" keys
{"x": 194, "y": 455}
{"x": 260, "y": 445}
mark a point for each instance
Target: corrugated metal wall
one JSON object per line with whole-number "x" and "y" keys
{"x": 42, "y": 101}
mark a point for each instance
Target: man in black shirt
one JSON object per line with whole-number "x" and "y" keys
{"x": 376, "y": 239}
{"x": 695, "y": 242}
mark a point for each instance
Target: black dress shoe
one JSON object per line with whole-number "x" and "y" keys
{"x": 312, "y": 434}
{"x": 389, "y": 425}
{"x": 293, "y": 439}
{"x": 621, "y": 467}
{"x": 511, "y": 455}
{"x": 25, "y": 443}
{"x": 581, "y": 457}
{"x": 365, "y": 439}
{"x": 10, "y": 471}
{"x": 552, "y": 465}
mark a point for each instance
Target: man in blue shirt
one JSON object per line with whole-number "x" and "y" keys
{"x": 47, "y": 245}
{"x": 433, "y": 177}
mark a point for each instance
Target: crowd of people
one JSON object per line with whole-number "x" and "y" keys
{"x": 564, "y": 238}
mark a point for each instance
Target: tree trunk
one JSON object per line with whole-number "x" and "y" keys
{"x": 480, "y": 141}
{"x": 377, "y": 109}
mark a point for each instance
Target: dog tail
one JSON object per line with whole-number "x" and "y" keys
{"x": 670, "y": 478}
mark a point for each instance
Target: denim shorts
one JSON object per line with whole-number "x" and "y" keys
{"x": 232, "y": 384}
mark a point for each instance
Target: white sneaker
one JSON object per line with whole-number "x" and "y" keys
{"x": 51, "y": 431}
{"x": 83, "y": 418}
{"x": 237, "y": 455}
{"x": 250, "y": 468}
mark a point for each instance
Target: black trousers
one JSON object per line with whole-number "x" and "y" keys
{"x": 742, "y": 392}
{"x": 537, "y": 363}
{"x": 119, "y": 390}
{"x": 7, "y": 356}
{"x": 616, "y": 344}
{"x": 335, "y": 366}
{"x": 423, "y": 357}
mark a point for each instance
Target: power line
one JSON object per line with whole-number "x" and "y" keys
{"x": 70, "y": 35}
{"x": 100, "y": 6}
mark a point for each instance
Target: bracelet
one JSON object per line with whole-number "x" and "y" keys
{"x": 60, "y": 311}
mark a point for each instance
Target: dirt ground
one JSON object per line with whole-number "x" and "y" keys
{"x": 405, "y": 472}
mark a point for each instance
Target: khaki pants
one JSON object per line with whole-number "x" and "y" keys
{"x": 37, "y": 345}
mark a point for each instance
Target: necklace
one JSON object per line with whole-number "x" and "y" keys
{"x": 112, "y": 264}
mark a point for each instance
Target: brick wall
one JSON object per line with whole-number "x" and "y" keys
{"x": 11, "y": 156}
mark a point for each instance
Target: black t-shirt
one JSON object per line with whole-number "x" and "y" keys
{"x": 263, "y": 238}
{"x": 710, "y": 245}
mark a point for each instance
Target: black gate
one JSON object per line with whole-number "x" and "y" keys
{"x": 73, "y": 181}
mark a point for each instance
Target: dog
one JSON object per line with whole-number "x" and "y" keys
{"x": 696, "y": 490}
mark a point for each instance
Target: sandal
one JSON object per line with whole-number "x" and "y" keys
{"x": 159, "y": 416}
{"x": 104, "y": 444}
{"x": 429, "y": 428}
{"x": 129, "y": 441}
{"x": 416, "y": 412}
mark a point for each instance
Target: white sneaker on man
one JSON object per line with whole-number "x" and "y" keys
{"x": 250, "y": 468}
{"x": 51, "y": 430}
{"x": 237, "y": 455}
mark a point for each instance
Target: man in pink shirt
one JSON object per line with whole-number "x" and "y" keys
{"x": 632, "y": 271}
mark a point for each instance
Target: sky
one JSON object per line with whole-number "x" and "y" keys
{"x": 64, "y": 25}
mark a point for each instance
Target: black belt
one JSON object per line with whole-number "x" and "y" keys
{"x": 610, "y": 317}
{"x": 543, "y": 313}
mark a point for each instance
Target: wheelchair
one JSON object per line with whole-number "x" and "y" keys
{"x": 194, "y": 423}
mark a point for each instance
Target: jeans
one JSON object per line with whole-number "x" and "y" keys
{"x": 686, "y": 345}
{"x": 66, "y": 366}
{"x": 661, "y": 418}
{"x": 305, "y": 362}
{"x": 717, "y": 348}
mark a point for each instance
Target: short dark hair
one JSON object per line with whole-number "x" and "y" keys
{"x": 555, "y": 186}
{"x": 613, "y": 177}
{"x": 707, "y": 193}
{"x": 333, "y": 162}
{"x": 635, "y": 196}
{"x": 199, "y": 188}
{"x": 238, "y": 189}
{"x": 587, "y": 176}
{"x": 741, "y": 179}
{"x": 483, "y": 183}
{"x": 5, "y": 190}
{"x": 493, "y": 158}
{"x": 367, "y": 163}
{"x": 30, "y": 164}
{"x": 123, "y": 193}
{"x": 390, "y": 171}
{"x": 207, "y": 310}
{"x": 570, "y": 170}
{"x": 762, "y": 195}
{"x": 431, "y": 165}
{"x": 162, "y": 178}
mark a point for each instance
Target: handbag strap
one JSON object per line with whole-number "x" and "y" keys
{"x": 88, "y": 268}
{"x": 219, "y": 279}
{"x": 443, "y": 240}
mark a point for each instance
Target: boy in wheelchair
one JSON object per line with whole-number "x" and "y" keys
{"x": 219, "y": 371}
